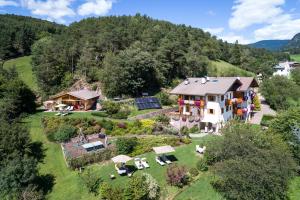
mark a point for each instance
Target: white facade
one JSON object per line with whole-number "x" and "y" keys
{"x": 284, "y": 69}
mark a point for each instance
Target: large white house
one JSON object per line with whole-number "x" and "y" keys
{"x": 212, "y": 101}
{"x": 285, "y": 68}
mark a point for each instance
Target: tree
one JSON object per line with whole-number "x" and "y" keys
{"x": 250, "y": 164}
{"x": 295, "y": 74}
{"x": 236, "y": 54}
{"x": 287, "y": 124}
{"x": 177, "y": 175}
{"x": 18, "y": 164}
{"x": 279, "y": 91}
{"x": 131, "y": 72}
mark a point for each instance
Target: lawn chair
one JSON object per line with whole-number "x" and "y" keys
{"x": 57, "y": 114}
{"x": 165, "y": 159}
{"x": 145, "y": 163}
{"x": 71, "y": 108}
{"x": 200, "y": 149}
{"x": 138, "y": 163}
{"x": 159, "y": 161}
{"x": 67, "y": 109}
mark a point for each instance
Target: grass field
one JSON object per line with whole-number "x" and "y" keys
{"x": 296, "y": 57}
{"x": 24, "y": 69}
{"x": 221, "y": 68}
{"x": 67, "y": 184}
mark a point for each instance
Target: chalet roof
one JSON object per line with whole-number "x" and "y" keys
{"x": 247, "y": 82}
{"x": 83, "y": 94}
{"x": 215, "y": 85}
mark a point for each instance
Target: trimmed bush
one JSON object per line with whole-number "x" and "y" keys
{"x": 64, "y": 133}
{"x": 164, "y": 119}
{"x": 164, "y": 99}
{"x": 99, "y": 114}
{"x": 123, "y": 114}
{"x": 111, "y": 107}
{"x": 126, "y": 145}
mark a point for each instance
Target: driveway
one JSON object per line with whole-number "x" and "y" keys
{"x": 265, "y": 110}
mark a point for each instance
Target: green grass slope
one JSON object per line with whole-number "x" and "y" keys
{"x": 296, "y": 57}
{"x": 222, "y": 68}
{"x": 24, "y": 69}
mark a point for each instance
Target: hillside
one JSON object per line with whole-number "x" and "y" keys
{"x": 24, "y": 69}
{"x": 222, "y": 68}
{"x": 272, "y": 45}
{"x": 18, "y": 33}
{"x": 294, "y": 45}
{"x": 134, "y": 54}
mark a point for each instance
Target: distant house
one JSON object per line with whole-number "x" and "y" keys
{"x": 212, "y": 101}
{"x": 285, "y": 68}
{"x": 80, "y": 100}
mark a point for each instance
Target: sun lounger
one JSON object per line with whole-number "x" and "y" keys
{"x": 64, "y": 114}
{"x": 67, "y": 108}
{"x": 138, "y": 163}
{"x": 159, "y": 161}
{"x": 145, "y": 163}
{"x": 200, "y": 149}
{"x": 121, "y": 170}
{"x": 165, "y": 159}
{"x": 71, "y": 108}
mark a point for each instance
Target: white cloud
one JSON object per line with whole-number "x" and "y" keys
{"x": 250, "y": 12}
{"x": 232, "y": 38}
{"x": 8, "y": 3}
{"x": 54, "y": 10}
{"x": 95, "y": 7}
{"x": 214, "y": 31}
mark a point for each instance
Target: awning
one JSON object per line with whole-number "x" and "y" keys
{"x": 121, "y": 159}
{"x": 163, "y": 149}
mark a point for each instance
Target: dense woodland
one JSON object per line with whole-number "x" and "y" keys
{"x": 134, "y": 54}
{"x": 18, "y": 33}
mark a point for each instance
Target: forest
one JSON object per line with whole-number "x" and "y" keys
{"x": 18, "y": 33}
{"x": 134, "y": 54}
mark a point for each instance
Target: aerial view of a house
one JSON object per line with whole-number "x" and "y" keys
{"x": 149, "y": 100}
{"x": 213, "y": 101}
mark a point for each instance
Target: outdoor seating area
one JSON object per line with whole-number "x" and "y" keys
{"x": 120, "y": 164}
{"x": 161, "y": 152}
{"x": 141, "y": 163}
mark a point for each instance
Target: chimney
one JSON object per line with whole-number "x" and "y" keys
{"x": 186, "y": 82}
{"x": 207, "y": 79}
{"x": 203, "y": 80}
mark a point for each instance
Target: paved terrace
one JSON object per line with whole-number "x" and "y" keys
{"x": 265, "y": 110}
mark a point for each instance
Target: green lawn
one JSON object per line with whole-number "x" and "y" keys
{"x": 24, "y": 69}
{"x": 68, "y": 184}
{"x": 296, "y": 57}
{"x": 221, "y": 68}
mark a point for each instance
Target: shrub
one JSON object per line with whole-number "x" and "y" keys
{"x": 266, "y": 119}
{"x": 184, "y": 130}
{"x": 111, "y": 107}
{"x": 163, "y": 119}
{"x": 64, "y": 133}
{"x": 202, "y": 165}
{"x": 147, "y": 123}
{"x": 136, "y": 188}
{"x": 123, "y": 114}
{"x": 194, "y": 172}
{"x": 152, "y": 186}
{"x": 126, "y": 145}
{"x": 122, "y": 125}
{"x": 91, "y": 180}
{"x": 256, "y": 103}
{"x": 194, "y": 129}
{"x": 164, "y": 99}
{"x": 100, "y": 114}
{"x": 177, "y": 175}
{"x": 107, "y": 124}
{"x": 110, "y": 193}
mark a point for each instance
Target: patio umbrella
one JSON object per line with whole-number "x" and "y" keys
{"x": 163, "y": 149}
{"x": 121, "y": 159}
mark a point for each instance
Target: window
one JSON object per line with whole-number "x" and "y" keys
{"x": 211, "y": 98}
{"x": 192, "y": 98}
{"x": 230, "y": 108}
{"x": 186, "y": 97}
{"x": 227, "y": 108}
{"x": 211, "y": 111}
{"x": 222, "y": 110}
{"x": 222, "y": 97}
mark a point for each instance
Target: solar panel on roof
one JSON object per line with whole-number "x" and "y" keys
{"x": 147, "y": 103}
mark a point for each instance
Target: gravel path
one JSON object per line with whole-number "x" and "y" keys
{"x": 265, "y": 110}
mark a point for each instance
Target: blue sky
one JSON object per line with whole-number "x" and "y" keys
{"x": 243, "y": 20}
